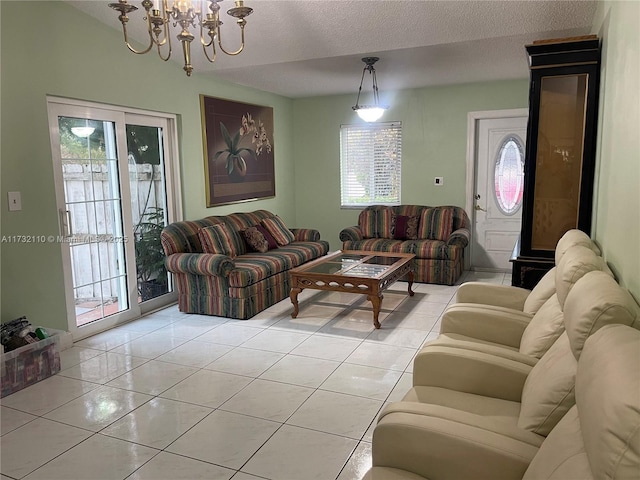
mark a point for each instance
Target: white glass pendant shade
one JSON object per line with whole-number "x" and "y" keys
{"x": 370, "y": 114}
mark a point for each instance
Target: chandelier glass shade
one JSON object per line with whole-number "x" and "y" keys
{"x": 202, "y": 15}
{"x": 370, "y": 113}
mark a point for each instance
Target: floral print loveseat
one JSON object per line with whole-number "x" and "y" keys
{"x": 238, "y": 282}
{"x": 436, "y": 235}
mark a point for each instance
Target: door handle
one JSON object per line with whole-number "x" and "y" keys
{"x": 65, "y": 223}
{"x": 478, "y": 207}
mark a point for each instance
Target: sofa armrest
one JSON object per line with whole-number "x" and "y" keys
{"x": 459, "y": 237}
{"x": 352, "y": 234}
{"x": 440, "y": 448}
{"x": 470, "y": 371}
{"x": 486, "y": 322}
{"x": 306, "y": 234}
{"x": 492, "y": 294}
{"x": 200, "y": 264}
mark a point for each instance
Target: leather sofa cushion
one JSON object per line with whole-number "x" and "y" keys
{"x": 575, "y": 263}
{"x": 544, "y": 328}
{"x": 548, "y": 391}
{"x": 597, "y": 300}
{"x": 542, "y": 292}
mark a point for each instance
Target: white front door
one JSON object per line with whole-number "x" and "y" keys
{"x": 497, "y": 197}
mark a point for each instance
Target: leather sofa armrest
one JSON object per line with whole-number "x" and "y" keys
{"x": 492, "y": 294}
{"x": 459, "y": 237}
{"x": 470, "y": 371}
{"x": 351, "y": 234}
{"x": 306, "y": 234}
{"x": 200, "y": 264}
{"x": 440, "y": 448}
{"x": 485, "y": 322}
{"x": 502, "y": 426}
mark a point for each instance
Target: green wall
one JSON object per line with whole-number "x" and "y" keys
{"x": 69, "y": 54}
{"x": 434, "y": 143}
{"x": 617, "y": 202}
{"x": 83, "y": 59}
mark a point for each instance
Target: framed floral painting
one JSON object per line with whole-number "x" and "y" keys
{"x": 238, "y": 151}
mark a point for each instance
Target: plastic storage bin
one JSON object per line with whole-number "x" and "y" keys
{"x": 27, "y": 365}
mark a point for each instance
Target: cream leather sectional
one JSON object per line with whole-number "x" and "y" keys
{"x": 546, "y": 387}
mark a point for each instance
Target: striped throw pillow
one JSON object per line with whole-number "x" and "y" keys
{"x": 220, "y": 239}
{"x": 386, "y": 222}
{"x": 436, "y": 223}
{"x": 367, "y": 222}
{"x": 276, "y": 227}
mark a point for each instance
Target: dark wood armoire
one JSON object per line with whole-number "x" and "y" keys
{"x": 560, "y": 152}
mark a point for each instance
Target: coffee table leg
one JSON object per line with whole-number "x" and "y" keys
{"x": 294, "y": 299}
{"x": 376, "y": 301}
{"x": 410, "y": 278}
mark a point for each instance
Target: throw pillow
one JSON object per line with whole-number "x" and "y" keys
{"x": 255, "y": 239}
{"x": 385, "y": 222}
{"x": 367, "y": 221}
{"x": 220, "y": 239}
{"x": 276, "y": 227}
{"x": 406, "y": 227}
{"x": 436, "y": 223}
{"x": 270, "y": 240}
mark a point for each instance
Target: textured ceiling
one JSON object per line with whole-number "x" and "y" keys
{"x": 301, "y": 48}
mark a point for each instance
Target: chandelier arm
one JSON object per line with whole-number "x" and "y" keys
{"x": 126, "y": 36}
{"x": 360, "y": 89}
{"x": 241, "y": 42}
{"x": 376, "y": 97}
{"x": 213, "y": 49}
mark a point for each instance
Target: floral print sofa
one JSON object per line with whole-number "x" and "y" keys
{"x": 436, "y": 235}
{"x": 237, "y": 282}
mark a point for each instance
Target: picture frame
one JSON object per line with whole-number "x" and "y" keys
{"x": 238, "y": 151}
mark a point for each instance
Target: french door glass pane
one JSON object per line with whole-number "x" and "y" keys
{"x": 148, "y": 207}
{"x": 93, "y": 217}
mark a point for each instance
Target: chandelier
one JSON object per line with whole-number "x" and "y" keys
{"x": 202, "y": 14}
{"x": 370, "y": 113}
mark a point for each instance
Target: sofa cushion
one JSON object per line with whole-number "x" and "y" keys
{"x": 436, "y": 223}
{"x": 542, "y": 292}
{"x": 270, "y": 240}
{"x": 367, "y": 222}
{"x": 431, "y": 249}
{"x": 276, "y": 227}
{"x": 220, "y": 239}
{"x": 544, "y": 329}
{"x": 595, "y": 301}
{"x": 607, "y": 392}
{"x": 380, "y": 245}
{"x": 405, "y": 227}
{"x": 549, "y": 390}
{"x": 255, "y": 240}
{"x": 254, "y": 267}
{"x": 386, "y": 222}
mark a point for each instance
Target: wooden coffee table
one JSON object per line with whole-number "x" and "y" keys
{"x": 353, "y": 271}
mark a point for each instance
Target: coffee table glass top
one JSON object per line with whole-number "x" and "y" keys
{"x": 352, "y": 265}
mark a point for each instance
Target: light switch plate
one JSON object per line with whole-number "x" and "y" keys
{"x": 15, "y": 201}
{"x": 438, "y": 181}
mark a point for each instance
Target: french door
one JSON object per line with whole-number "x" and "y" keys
{"x": 115, "y": 191}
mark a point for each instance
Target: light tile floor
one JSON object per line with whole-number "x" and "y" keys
{"x": 183, "y": 397}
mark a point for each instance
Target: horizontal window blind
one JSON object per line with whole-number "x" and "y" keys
{"x": 370, "y": 160}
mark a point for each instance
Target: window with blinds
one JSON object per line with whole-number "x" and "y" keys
{"x": 370, "y": 159}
